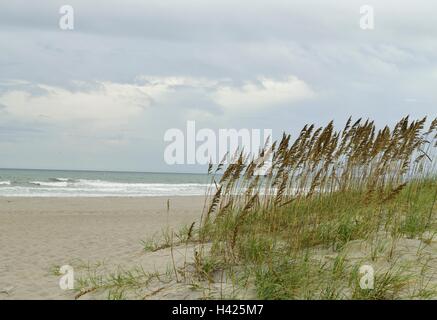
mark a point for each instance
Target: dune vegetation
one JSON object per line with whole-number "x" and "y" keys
{"x": 331, "y": 202}
{"x": 292, "y": 233}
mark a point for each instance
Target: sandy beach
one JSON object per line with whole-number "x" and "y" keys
{"x": 37, "y": 235}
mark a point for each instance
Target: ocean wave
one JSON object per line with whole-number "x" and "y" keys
{"x": 5, "y": 183}
{"x": 49, "y": 184}
{"x": 61, "y": 180}
{"x": 112, "y": 184}
{"x": 95, "y": 188}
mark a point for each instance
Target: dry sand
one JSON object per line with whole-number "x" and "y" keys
{"x": 37, "y": 235}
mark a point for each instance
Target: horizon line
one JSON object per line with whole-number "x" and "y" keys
{"x": 91, "y": 170}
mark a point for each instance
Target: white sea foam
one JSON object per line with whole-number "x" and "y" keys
{"x": 5, "y": 183}
{"x": 96, "y": 188}
{"x": 49, "y": 184}
{"x": 60, "y": 179}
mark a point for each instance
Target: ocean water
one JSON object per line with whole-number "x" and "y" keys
{"x": 60, "y": 183}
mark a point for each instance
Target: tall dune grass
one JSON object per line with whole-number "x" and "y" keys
{"x": 323, "y": 190}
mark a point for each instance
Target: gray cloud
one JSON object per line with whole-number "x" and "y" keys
{"x": 104, "y": 67}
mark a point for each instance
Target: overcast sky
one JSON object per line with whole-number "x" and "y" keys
{"x": 101, "y": 96}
